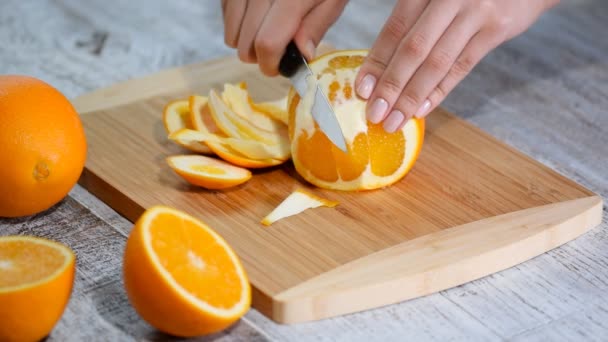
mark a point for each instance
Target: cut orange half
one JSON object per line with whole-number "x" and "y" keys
{"x": 181, "y": 276}
{"x": 176, "y": 116}
{"x": 296, "y": 203}
{"x": 208, "y": 172}
{"x": 36, "y": 278}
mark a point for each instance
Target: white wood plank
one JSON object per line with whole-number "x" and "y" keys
{"x": 544, "y": 93}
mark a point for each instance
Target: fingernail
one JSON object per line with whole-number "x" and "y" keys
{"x": 393, "y": 121}
{"x": 422, "y": 111}
{"x": 310, "y": 49}
{"x": 366, "y": 86}
{"x": 375, "y": 114}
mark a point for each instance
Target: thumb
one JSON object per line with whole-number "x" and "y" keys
{"x": 315, "y": 24}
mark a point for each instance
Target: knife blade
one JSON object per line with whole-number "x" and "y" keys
{"x": 293, "y": 66}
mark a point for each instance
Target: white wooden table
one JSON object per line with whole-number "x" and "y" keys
{"x": 546, "y": 93}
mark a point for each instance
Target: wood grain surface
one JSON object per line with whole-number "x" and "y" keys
{"x": 449, "y": 204}
{"x": 545, "y": 93}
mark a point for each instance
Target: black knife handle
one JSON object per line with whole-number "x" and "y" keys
{"x": 291, "y": 60}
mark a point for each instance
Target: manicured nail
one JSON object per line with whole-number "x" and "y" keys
{"x": 375, "y": 113}
{"x": 366, "y": 86}
{"x": 423, "y": 110}
{"x": 393, "y": 121}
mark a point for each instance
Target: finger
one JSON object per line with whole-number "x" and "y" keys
{"x": 254, "y": 16}
{"x": 315, "y": 25}
{"x": 224, "y": 7}
{"x": 278, "y": 29}
{"x": 411, "y": 53}
{"x": 434, "y": 69}
{"x": 401, "y": 20}
{"x": 478, "y": 47}
{"x": 233, "y": 17}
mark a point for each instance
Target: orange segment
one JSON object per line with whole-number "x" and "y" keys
{"x": 176, "y": 116}
{"x": 36, "y": 279}
{"x": 352, "y": 164}
{"x": 315, "y": 155}
{"x": 181, "y": 276}
{"x": 380, "y": 143}
{"x": 208, "y": 172}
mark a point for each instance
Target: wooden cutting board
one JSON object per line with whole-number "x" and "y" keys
{"x": 470, "y": 207}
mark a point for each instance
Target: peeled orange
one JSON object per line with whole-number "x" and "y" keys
{"x": 181, "y": 276}
{"x": 36, "y": 278}
{"x": 42, "y": 146}
{"x": 374, "y": 159}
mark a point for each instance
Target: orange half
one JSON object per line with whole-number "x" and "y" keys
{"x": 36, "y": 279}
{"x": 181, "y": 276}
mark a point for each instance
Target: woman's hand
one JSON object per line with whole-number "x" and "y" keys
{"x": 261, "y": 29}
{"x": 428, "y": 46}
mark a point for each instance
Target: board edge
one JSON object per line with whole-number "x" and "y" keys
{"x": 391, "y": 276}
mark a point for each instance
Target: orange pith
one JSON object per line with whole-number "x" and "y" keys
{"x": 181, "y": 276}
{"x": 36, "y": 278}
{"x": 374, "y": 158}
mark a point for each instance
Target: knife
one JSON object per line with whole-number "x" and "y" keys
{"x": 294, "y": 66}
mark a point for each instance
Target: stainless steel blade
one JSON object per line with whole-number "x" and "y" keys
{"x": 322, "y": 112}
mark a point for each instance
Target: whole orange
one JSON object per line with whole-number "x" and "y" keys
{"x": 42, "y": 146}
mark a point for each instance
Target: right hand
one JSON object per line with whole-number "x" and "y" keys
{"x": 261, "y": 29}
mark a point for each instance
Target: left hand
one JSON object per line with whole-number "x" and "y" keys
{"x": 428, "y": 46}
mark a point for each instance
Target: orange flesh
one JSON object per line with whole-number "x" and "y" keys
{"x": 345, "y": 62}
{"x": 25, "y": 262}
{"x": 293, "y": 104}
{"x": 352, "y": 164}
{"x": 195, "y": 260}
{"x": 315, "y": 154}
{"x": 386, "y": 150}
{"x": 210, "y": 169}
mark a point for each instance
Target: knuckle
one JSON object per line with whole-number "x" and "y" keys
{"x": 463, "y": 66}
{"x": 390, "y": 86}
{"x": 487, "y": 7}
{"x": 375, "y": 63}
{"x": 395, "y": 27}
{"x": 499, "y": 28}
{"x": 409, "y": 101}
{"x": 263, "y": 45}
{"x": 439, "y": 93}
{"x": 415, "y": 45}
{"x": 440, "y": 60}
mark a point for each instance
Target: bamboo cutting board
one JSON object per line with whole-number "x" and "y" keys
{"x": 470, "y": 207}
